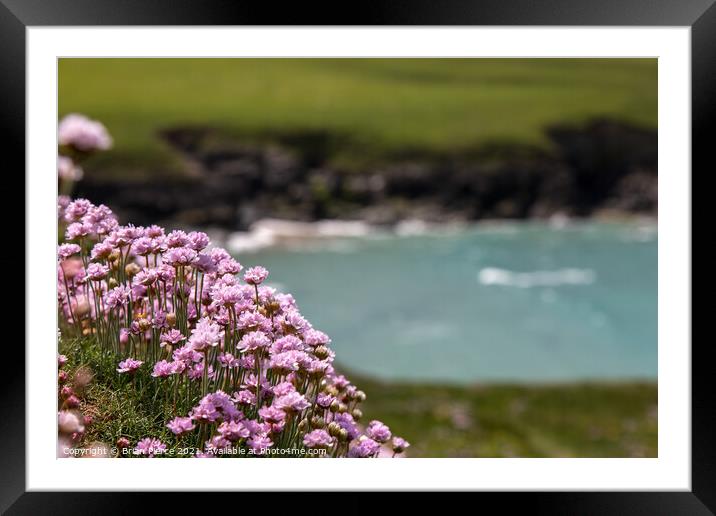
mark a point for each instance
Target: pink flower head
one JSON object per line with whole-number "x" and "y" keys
{"x": 293, "y": 319}
{"x": 285, "y": 361}
{"x": 317, "y": 439}
{"x": 162, "y": 369}
{"x": 154, "y": 231}
{"x": 287, "y": 343}
{"x": 143, "y": 246}
{"x": 228, "y": 266}
{"x": 206, "y": 334}
{"x": 101, "y": 250}
{"x": 272, "y": 415}
{"x": 67, "y": 169}
{"x": 172, "y": 337}
{"x": 378, "y": 432}
{"x": 316, "y": 338}
{"x": 116, "y": 297}
{"x": 233, "y": 430}
{"x": 324, "y": 400}
{"x": 70, "y": 422}
{"x": 97, "y": 271}
{"x": 245, "y": 397}
{"x": 146, "y": 277}
{"x": 400, "y": 444}
{"x": 253, "y": 341}
{"x": 77, "y": 209}
{"x": 255, "y": 275}
{"x": 180, "y": 256}
{"x": 78, "y": 230}
{"x": 292, "y": 402}
{"x": 64, "y": 251}
{"x": 83, "y": 134}
{"x": 283, "y": 388}
{"x": 364, "y": 448}
{"x": 176, "y": 238}
{"x": 181, "y": 425}
{"x": 197, "y": 240}
{"x": 259, "y": 443}
{"x": 150, "y": 447}
{"x": 129, "y": 365}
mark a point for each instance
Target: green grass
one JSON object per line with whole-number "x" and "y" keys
{"x": 570, "y": 420}
{"x": 119, "y": 408}
{"x": 374, "y": 108}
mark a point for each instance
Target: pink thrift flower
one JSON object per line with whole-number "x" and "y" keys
{"x": 150, "y": 447}
{"x": 181, "y": 425}
{"x": 318, "y": 439}
{"x": 83, "y": 134}
{"x": 255, "y": 275}
{"x": 129, "y": 365}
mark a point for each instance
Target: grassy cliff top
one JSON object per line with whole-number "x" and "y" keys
{"x": 370, "y": 108}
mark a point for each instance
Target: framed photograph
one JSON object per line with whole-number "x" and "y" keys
{"x": 455, "y": 238}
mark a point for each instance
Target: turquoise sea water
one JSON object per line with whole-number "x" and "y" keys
{"x": 500, "y": 302}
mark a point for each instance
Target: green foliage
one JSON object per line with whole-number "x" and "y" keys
{"x": 561, "y": 420}
{"x": 119, "y": 406}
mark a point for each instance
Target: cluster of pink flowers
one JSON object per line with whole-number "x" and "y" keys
{"x": 240, "y": 365}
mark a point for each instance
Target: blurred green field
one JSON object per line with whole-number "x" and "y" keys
{"x": 375, "y": 108}
{"x": 562, "y": 420}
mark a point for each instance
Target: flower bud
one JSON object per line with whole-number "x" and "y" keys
{"x": 122, "y": 443}
{"x": 357, "y": 414}
{"x": 343, "y": 435}
{"x": 114, "y": 255}
{"x": 342, "y": 408}
{"x": 66, "y": 392}
{"x": 334, "y": 429}
{"x": 317, "y": 422}
{"x": 112, "y": 283}
{"x": 144, "y": 324}
{"x": 335, "y": 405}
{"x": 61, "y": 377}
{"x": 331, "y": 389}
{"x": 360, "y": 396}
{"x": 321, "y": 352}
{"x": 303, "y": 425}
{"x": 171, "y": 319}
{"x": 72, "y": 402}
{"x": 131, "y": 269}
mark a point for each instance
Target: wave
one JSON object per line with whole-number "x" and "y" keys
{"x": 569, "y": 276}
{"x": 275, "y": 232}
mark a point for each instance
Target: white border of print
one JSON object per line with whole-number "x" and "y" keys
{"x": 670, "y": 471}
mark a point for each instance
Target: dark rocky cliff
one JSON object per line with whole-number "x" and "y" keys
{"x": 604, "y": 165}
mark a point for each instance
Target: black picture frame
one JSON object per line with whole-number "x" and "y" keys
{"x": 700, "y": 15}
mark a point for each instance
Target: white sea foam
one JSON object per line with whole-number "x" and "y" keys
{"x": 569, "y": 276}
{"x": 275, "y": 232}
